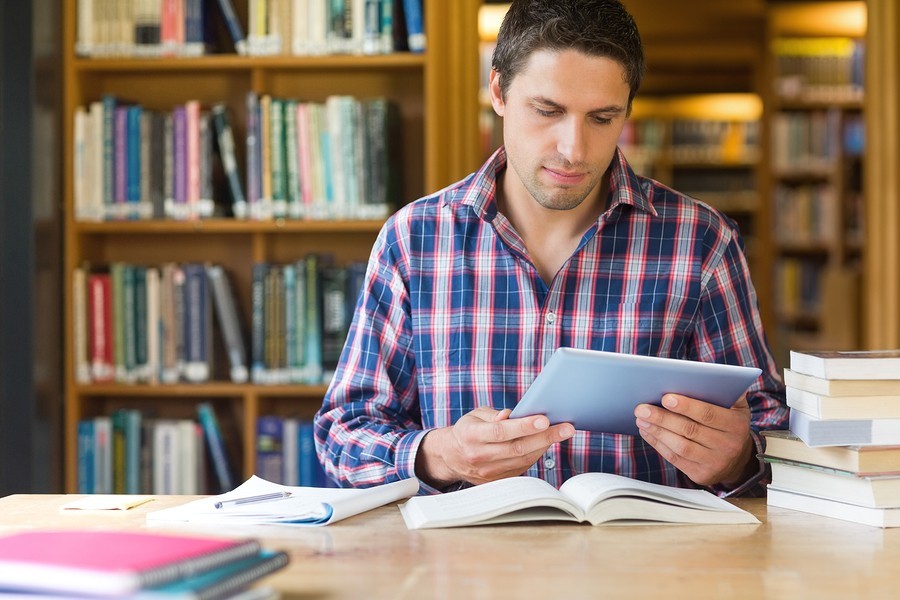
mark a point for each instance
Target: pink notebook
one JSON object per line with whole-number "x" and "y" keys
{"x": 109, "y": 563}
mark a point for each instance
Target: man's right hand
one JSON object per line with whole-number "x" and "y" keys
{"x": 485, "y": 445}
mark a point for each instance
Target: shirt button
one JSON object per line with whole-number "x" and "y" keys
{"x": 550, "y": 318}
{"x": 549, "y": 463}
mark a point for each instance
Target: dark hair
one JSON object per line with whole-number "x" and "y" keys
{"x": 594, "y": 27}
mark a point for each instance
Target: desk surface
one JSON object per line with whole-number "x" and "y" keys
{"x": 790, "y": 555}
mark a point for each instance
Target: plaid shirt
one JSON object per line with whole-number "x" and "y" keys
{"x": 453, "y": 315}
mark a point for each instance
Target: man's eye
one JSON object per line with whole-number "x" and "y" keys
{"x": 545, "y": 113}
{"x": 602, "y": 120}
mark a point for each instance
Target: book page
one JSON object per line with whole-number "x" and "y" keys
{"x": 485, "y": 502}
{"x": 306, "y": 506}
{"x": 589, "y": 489}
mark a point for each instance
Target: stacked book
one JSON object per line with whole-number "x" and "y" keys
{"x": 841, "y": 457}
{"x": 133, "y": 564}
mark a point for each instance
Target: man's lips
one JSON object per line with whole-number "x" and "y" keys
{"x": 563, "y": 176}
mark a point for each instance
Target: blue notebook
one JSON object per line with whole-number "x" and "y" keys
{"x": 598, "y": 391}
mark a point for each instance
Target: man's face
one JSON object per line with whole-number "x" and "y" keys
{"x": 562, "y": 117}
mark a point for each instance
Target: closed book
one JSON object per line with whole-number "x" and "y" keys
{"x": 844, "y": 407}
{"x": 845, "y": 432}
{"x": 216, "y": 446}
{"x": 877, "y": 517}
{"x": 863, "y": 364}
{"x": 110, "y": 563}
{"x": 415, "y": 25}
{"x": 877, "y": 491}
{"x": 842, "y": 387}
{"x": 229, "y": 323}
{"x": 235, "y": 30}
{"x": 863, "y": 460}
{"x": 269, "y": 454}
{"x": 225, "y": 142}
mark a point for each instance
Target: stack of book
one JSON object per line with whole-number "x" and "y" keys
{"x": 121, "y": 564}
{"x": 841, "y": 457}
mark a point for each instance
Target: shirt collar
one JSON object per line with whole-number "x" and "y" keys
{"x": 481, "y": 189}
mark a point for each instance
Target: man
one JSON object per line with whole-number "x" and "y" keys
{"x": 553, "y": 242}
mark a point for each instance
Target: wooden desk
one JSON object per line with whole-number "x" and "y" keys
{"x": 791, "y": 555}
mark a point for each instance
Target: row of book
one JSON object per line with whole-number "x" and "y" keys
{"x": 304, "y": 160}
{"x": 805, "y": 141}
{"x": 128, "y": 452}
{"x": 286, "y": 452}
{"x": 819, "y": 69}
{"x": 93, "y": 563}
{"x": 807, "y": 213}
{"x": 798, "y": 286}
{"x": 841, "y": 457}
{"x": 300, "y": 316}
{"x": 310, "y": 160}
{"x": 134, "y": 163}
{"x": 705, "y": 140}
{"x": 149, "y": 324}
{"x": 149, "y": 28}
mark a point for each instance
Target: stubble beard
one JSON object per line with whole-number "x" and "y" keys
{"x": 555, "y": 198}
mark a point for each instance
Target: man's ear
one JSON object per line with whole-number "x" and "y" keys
{"x": 496, "y": 93}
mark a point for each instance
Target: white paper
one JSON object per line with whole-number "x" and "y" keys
{"x": 306, "y": 506}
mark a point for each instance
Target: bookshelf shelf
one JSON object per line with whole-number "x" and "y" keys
{"x": 230, "y": 62}
{"x": 435, "y": 96}
{"x": 188, "y": 392}
{"x": 226, "y": 226}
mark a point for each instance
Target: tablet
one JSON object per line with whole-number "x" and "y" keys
{"x": 598, "y": 391}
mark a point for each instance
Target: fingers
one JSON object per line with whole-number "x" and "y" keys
{"x": 488, "y": 445}
{"x": 702, "y": 440}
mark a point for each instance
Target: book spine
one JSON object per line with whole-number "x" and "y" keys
{"x": 133, "y": 159}
{"x": 216, "y": 445}
{"x": 290, "y": 452}
{"x": 103, "y": 455}
{"x": 133, "y": 432}
{"x": 277, "y": 163}
{"x": 80, "y": 319}
{"x": 141, "y": 358}
{"x": 258, "y": 366}
{"x": 235, "y": 30}
{"x": 334, "y": 318}
{"x": 269, "y": 437}
{"x": 415, "y": 25}
{"x": 226, "y": 312}
{"x": 196, "y": 331}
{"x": 294, "y": 195}
{"x": 101, "y": 350}
{"x": 86, "y": 456}
{"x": 254, "y": 167}
{"x": 225, "y": 138}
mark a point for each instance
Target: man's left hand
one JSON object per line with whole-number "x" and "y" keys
{"x": 708, "y": 443}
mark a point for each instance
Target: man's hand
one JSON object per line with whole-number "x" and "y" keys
{"x": 485, "y": 445}
{"x": 708, "y": 443}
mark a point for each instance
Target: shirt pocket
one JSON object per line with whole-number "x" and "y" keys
{"x": 652, "y": 326}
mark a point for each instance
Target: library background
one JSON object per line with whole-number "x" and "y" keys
{"x": 190, "y": 194}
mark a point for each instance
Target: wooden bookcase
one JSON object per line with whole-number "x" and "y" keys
{"x": 812, "y": 176}
{"x": 436, "y": 93}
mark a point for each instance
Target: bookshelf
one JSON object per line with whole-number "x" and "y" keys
{"x": 813, "y": 176}
{"x": 435, "y": 93}
{"x": 705, "y": 146}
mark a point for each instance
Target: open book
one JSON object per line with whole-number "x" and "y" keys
{"x": 590, "y": 497}
{"x": 303, "y": 506}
